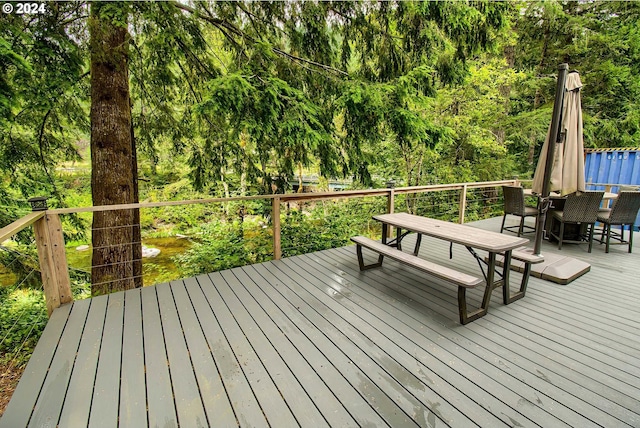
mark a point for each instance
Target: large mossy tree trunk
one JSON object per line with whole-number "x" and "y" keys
{"x": 117, "y": 249}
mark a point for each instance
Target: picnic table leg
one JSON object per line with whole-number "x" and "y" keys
{"x": 400, "y": 236}
{"x": 466, "y": 317}
{"x": 506, "y": 268}
{"x": 418, "y": 241}
{"x": 385, "y": 231}
{"x": 523, "y": 285}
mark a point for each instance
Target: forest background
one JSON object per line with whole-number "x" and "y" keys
{"x": 214, "y": 99}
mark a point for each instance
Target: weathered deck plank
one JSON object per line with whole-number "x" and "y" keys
{"x": 246, "y": 407}
{"x": 312, "y": 341}
{"x": 189, "y": 408}
{"x": 133, "y": 394}
{"x": 212, "y": 391}
{"x": 106, "y": 392}
{"x": 522, "y": 379}
{"x": 160, "y": 403}
{"x": 266, "y": 391}
{"x": 19, "y": 409}
{"x": 75, "y": 410}
{"x": 47, "y": 409}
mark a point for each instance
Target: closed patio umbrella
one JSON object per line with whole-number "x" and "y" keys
{"x": 542, "y": 177}
{"x": 567, "y": 172}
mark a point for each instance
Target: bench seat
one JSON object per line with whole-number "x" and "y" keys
{"x": 442, "y": 272}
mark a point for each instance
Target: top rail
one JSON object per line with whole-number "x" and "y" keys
{"x": 288, "y": 197}
{"x": 20, "y": 224}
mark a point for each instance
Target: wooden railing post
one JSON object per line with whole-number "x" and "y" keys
{"x": 275, "y": 218}
{"x": 53, "y": 261}
{"x": 463, "y": 204}
{"x": 390, "y": 208}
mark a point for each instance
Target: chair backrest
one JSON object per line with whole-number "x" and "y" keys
{"x": 625, "y": 208}
{"x": 513, "y": 200}
{"x": 582, "y": 207}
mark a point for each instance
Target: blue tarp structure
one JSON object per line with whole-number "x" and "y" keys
{"x": 612, "y": 166}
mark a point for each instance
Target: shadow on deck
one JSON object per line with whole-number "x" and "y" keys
{"x": 312, "y": 341}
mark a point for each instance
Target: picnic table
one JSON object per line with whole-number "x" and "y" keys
{"x": 472, "y": 238}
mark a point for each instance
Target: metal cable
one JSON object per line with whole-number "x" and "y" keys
{"x": 117, "y": 280}
{"x": 21, "y": 314}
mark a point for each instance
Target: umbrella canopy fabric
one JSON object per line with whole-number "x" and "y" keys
{"x": 567, "y": 174}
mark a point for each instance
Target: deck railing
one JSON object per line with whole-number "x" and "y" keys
{"x": 448, "y": 201}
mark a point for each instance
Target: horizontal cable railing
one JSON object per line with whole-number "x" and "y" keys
{"x": 191, "y": 237}
{"x": 23, "y": 311}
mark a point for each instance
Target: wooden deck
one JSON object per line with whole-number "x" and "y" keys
{"x": 311, "y": 341}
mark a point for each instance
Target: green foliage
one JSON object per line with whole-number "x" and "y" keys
{"x": 41, "y": 76}
{"x": 23, "y": 316}
{"x": 221, "y": 245}
{"x": 600, "y": 40}
{"x": 323, "y": 225}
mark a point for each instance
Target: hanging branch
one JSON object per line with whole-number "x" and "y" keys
{"x": 222, "y": 24}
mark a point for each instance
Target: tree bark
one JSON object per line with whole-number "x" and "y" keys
{"x": 117, "y": 249}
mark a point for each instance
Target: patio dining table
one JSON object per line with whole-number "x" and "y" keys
{"x": 470, "y": 237}
{"x": 571, "y": 232}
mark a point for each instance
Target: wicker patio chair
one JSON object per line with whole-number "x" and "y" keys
{"x": 514, "y": 205}
{"x": 622, "y": 213}
{"x": 580, "y": 209}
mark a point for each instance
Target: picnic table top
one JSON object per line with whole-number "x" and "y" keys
{"x": 453, "y": 232}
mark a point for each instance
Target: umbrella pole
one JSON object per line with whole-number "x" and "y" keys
{"x": 554, "y": 138}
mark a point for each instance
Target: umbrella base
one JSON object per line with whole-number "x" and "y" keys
{"x": 555, "y": 268}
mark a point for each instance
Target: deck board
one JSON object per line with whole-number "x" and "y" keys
{"x": 19, "y": 409}
{"x": 520, "y": 376}
{"x": 133, "y": 394}
{"x": 104, "y": 405}
{"x": 469, "y": 377}
{"x": 46, "y": 412}
{"x": 309, "y": 342}
{"x": 240, "y": 394}
{"x": 262, "y": 383}
{"x": 189, "y": 408}
{"x": 392, "y": 347}
{"x": 280, "y": 367}
{"x": 212, "y": 392}
{"x": 273, "y": 325}
{"x": 160, "y": 402}
{"x": 341, "y": 342}
{"x": 75, "y": 409}
{"x": 312, "y": 341}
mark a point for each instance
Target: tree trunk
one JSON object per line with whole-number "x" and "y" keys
{"x": 117, "y": 250}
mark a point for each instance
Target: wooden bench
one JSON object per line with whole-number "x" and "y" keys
{"x": 462, "y": 280}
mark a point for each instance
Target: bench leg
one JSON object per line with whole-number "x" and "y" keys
{"x": 465, "y": 316}
{"x": 361, "y": 260}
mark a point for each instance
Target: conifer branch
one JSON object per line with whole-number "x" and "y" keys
{"x": 220, "y": 23}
